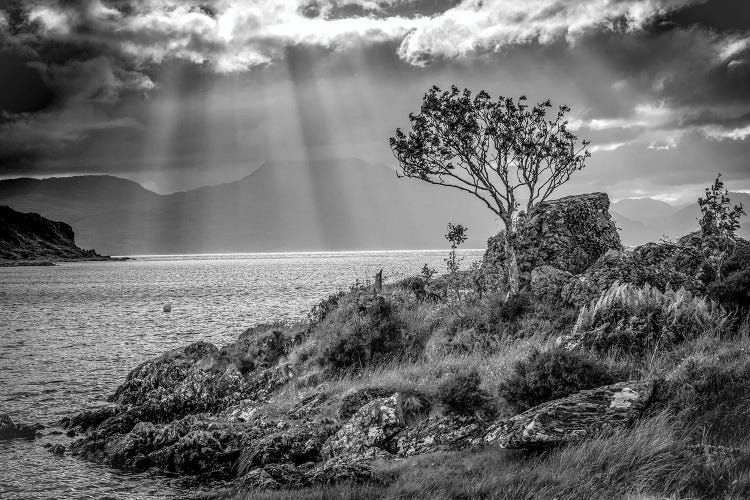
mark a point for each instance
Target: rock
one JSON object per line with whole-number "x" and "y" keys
{"x": 569, "y": 233}
{"x": 194, "y": 445}
{"x": 89, "y": 419}
{"x": 440, "y": 433}
{"x": 573, "y": 417}
{"x": 346, "y": 468}
{"x": 370, "y": 427}
{"x": 258, "y": 479}
{"x": 547, "y": 282}
{"x": 297, "y": 444}
{"x": 657, "y": 264}
{"x": 13, "y": 430}
{"x": 357, "y": 398}
{"x": 257, "y": 348}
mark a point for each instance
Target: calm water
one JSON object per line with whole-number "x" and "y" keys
{"x": 69, "y": 334}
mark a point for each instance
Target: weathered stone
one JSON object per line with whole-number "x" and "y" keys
{"x": 547, "y": 282}
{"x": 573, "y": 417}
{"x": 14, "y": 430}
{"x": 656, "y": 264}
{"x": 569, "y": 233}
{"x": 298, "y": 444}
{"x": 345, "y": 468}
{"x": 257, "y": 348}
{"x": 370, "y": 427}
{"x": 90, "y": 419}
{"x": 440, "y": 433}
{"x": 258, "y": 479}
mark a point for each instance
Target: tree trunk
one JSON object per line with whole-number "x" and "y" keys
{"x": 511, "y": 262}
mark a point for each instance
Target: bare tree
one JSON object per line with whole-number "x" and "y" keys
{"x": 501, "y": 151}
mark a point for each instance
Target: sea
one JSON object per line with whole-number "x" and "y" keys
{"x": 69, "y": 335}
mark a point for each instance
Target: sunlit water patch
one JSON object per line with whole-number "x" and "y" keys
{"x": 69, "y": 334}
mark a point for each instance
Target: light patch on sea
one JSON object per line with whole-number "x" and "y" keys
{"x": 69, "y": 335}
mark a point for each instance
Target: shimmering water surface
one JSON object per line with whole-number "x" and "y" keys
{"x": 69, "y": 335}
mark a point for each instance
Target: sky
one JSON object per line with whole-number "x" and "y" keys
{"x": 177, "y": 94}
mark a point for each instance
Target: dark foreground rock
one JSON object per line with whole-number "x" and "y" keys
{"x": 574, "y": 417}
{"x": 15, "y": 430}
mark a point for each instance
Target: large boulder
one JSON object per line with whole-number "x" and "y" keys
{"x": 13, "y": 430}
{"x": 370, "y": 427}
{"x": 569, "y": 233}
{"x": 573, "y": 417}
{"x": 547, "y": 282}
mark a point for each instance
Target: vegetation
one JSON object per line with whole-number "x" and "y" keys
{"x": 718, "y": 223}
{"x": 639, "y": 320}
{"x": 552, "y": 374}
{"x": 460, "y": 392}
{"x": 500, "y": 151}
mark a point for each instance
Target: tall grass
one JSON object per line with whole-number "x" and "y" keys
{"x": 641, "y": 319}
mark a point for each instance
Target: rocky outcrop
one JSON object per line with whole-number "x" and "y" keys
{"x": 31, "y": 237}
{"x": 370, "y": 427}
{"x": 572, "y": 418}
{"x": 660, "y": 265}
{"x": 16, "y": 430}
{"x": 569, "y": 234}
{"x": 547, "y": 282}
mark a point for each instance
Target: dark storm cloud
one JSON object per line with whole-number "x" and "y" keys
{"x": 132, "y": 85}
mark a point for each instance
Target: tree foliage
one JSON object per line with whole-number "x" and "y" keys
{"x": 502, "y": 151}
{"x": 719, "y": 221}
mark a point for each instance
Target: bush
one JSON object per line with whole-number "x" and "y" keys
{"x": 414, "y": 284}
{"x": 356, "y": 335}
{"x": 636, "y": 320}
{"x": 460, "y": 392}
{"x": 733, "y": 291}
{"x": 711, "y": 399}
{"x": 549, "y": 375}
{"x": 502, "y": 311}
{"x": 322, "y": 309}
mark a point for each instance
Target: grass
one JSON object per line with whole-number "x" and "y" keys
{"x": 695, "y": 349}
{"x": 649, "y": 460}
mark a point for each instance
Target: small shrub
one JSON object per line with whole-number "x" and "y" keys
{"x": 357, "y": 335}
{"x": 414, "y": 284}
{"x": 711, "y": 398}
{"x": 733, "y": 291}
{"x": 460, "y": 392}
{"x": 636, "y": 320}
{"x": 319, "y": 311}
{"x": 553, "y": 374}
{"x": 503, "y": 312}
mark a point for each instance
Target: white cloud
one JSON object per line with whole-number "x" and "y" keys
{"x": 491, "y": 25}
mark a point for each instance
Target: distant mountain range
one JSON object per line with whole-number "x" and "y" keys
{"x": 32, "y": 238}
{"x": 322, "y": 205}
{"x": 289, "y": 206}
{"x": 641, "y": 220}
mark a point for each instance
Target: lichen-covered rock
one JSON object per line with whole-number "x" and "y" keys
{"x": 345, "y": 468}
{"x": 296, "y": 444}
{"x": 370, "y": 427}
{"x": 14, "y": 430}
{"x": 573, "y": 417}
{"x": 659, "y": 265}
{"x": 257, "y": 479}
{"x": 194, "y": 445}
{"x": 191, "y": 379}
{"x": 439, "y": 433}
{"x": 90, "y": 419}
{"x": 547, "y": 282}
{"x": 569, "y": 233}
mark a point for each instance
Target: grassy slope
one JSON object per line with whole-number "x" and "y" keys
{"x": 648, "y": 460}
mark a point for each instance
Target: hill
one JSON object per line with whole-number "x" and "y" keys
{"x": 31, "y": 237}
{"x": 282, "y": 206}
